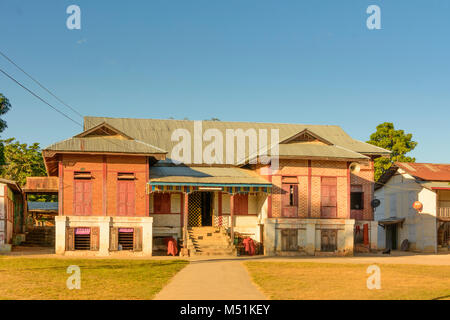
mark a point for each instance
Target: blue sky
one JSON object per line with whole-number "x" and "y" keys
{"x": 284, "y": 61}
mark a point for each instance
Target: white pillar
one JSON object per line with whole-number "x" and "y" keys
{"x": 349, "y": 230}
{"x": 147, "y": 236}
{"x": 60, "y": 234}
{"x": 310, "y": 237}
{"x": 104, "y": 224}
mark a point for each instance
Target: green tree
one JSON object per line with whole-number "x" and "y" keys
{"x": 4, "y": 108}
{"x": 397, "y": 141}
{"x": 21, "y": 161}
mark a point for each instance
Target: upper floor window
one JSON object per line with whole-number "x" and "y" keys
{"x": 356, "y": 197}
{"x": 82, "y": 199}
{"x": 289, "y": 197}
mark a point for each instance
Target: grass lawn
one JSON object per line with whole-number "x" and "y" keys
{"x": 29, "y": 278}
{"x": 302, "y": 280}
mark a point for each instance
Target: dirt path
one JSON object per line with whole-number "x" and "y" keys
{"x": 211, "y": 280}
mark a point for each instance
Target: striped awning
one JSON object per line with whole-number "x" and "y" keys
{"x": 187, "y": 188}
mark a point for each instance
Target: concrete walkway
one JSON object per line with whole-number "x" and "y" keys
{"x": 211, "y": 280}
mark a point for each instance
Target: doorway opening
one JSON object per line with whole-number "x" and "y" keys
{"x": 200, "y": 209}
{"x": 391, "y": 236}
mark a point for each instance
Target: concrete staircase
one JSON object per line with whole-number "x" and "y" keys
{"x": 207, "y": 241}
{"x": 40, "y": 237}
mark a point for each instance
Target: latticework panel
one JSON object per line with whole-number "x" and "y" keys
{"x": 195, "y": 210}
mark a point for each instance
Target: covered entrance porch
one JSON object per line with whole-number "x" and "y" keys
{"x": 218, "y": 199}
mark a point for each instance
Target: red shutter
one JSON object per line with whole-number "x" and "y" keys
{"x": 125, "y": 197}
{"x": 161, "y": 203}
{"x": 82, "y": 197}
{"x": 289, "y": 210}
{"x": 329, "y": 198}
{"x": 241, "y": 203}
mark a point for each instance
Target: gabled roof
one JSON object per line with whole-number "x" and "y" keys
{"x": 103, "y": 130}
{"x": 306, "y": 135}
{"x": 426, "y": 171}
{"x": 11, "y": 183}
{"x": 104, "y": 145}
{"x": 158, "y": 132}
{"x": 204, "y": 175}
{"x": 429, "y": 175}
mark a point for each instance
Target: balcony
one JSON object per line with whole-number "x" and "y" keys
{"x": 443, "y": 213}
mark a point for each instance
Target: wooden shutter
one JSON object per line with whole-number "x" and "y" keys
{"x": 284, "y": 239}
{"x": 70, "y": 239}
{"x": 95, "y": 238}
{"x": 289, "y": 240}
{"x": 137, "y": 239}
{"x": 293, "y": 239}
{"x": 161, "y": 202}
{"x": 126, "y": 197}
{"x": 113, "y": 239}
{"x": 329, "y": 197}
{"x": 82, "y": 197}
{"x": 289, "y": 210}
{"x": 240, "y": 203}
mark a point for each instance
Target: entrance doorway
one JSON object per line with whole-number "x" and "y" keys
{"x": 200, "y": 209}
{"x": 391, "y": 236}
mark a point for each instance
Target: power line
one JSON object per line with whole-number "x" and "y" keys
{"x": 53, "y": 107}
{"x": 37, "y": 96}
{"x": 40, "y": 84}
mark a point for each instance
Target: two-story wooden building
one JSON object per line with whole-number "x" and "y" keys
{"x": 127, "y": 184}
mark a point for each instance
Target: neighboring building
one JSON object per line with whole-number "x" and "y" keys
{"x": 119, "y": 189}
{"x": 11, "y": 213}
{"x": 398, "y": 189}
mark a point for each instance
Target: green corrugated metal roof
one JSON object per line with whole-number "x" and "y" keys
{"x": 155, "y": 136}
{"x": 102, "y": 144}
{"x": 158, "y": 132}
{"x": 318, "y": 150}
{"x": 208, "y": 175}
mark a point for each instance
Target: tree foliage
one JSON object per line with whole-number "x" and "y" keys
{"x": 397, "y": 141}
{"x": 4, "y": 108}
{"x": 21, "y": 161}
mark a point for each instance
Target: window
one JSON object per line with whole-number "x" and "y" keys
{"x": 240, "y": 203}
{"x": 125, "y": 197}
{"x": 356, "y": 198}
{"x": 82, "y": 201}
{"x": 82, "y": 238}
{"x": 289, "y": 197}
{"x": 328, "y": 241}
{"x": 161, "y": 202}
{"x": 289, "y": 240}
{"x": 329, "y": 197}
{"x": 125, "y": 238}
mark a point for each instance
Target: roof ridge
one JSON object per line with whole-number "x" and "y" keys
{"x": 188, "y": 120}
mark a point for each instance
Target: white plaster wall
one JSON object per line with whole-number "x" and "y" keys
{"x": 166, "y": 220}
{"x": 397, "y": 198}
{"x": 309, "y": 235}
{"x": 175, "y": 203}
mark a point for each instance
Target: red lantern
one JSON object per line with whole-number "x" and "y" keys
{"x": 418, "y": 206}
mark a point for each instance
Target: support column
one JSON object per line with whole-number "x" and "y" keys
{"x": 185, "y": 220}
{"x": 310, "y": 237}
{"x": 232, "y": 217}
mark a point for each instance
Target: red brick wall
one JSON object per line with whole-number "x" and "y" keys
{"x": 95, "y": 165}
{"x": 365, "y": 177}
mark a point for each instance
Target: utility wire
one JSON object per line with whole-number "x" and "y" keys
{"x": 40, "y": 84}
{"x": 60, "y": 100}
{"x": 37, "y": 96}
